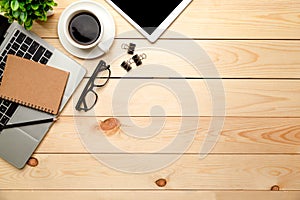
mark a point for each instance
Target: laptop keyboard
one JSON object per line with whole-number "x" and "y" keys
{"x": 23, "y": 46}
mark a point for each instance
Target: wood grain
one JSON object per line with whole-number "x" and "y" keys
{"x": 239, "y": 135}
{"x": 149, "y": 195}
{"x": 255, "y": 48}
{"x": 276, "y": 98}
{"x": 212, "y": 19}
{"x": 218, "y": 172}
{"x": 231, "y": 58}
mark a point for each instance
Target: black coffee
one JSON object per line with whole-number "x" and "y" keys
{"x": 84, "y": 28}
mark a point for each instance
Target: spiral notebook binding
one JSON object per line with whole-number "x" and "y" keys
{"x": 37, "y": 107}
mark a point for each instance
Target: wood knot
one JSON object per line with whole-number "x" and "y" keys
{"x": 32, "y": 162}
{"x": 275, "y": 188}
{"x": 161, "y": 182}
{"x": 110, "y": 126}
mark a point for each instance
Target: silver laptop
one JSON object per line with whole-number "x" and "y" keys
{"x": 18, "y": 144}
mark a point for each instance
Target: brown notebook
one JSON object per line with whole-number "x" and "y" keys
{"x": 32, "y": 84}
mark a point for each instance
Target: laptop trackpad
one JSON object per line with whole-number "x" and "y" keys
{"x": 16, "y": 146}
{"x": 24, "y": 114}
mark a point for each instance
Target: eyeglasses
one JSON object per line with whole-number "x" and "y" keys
{"x": 89, "y": 97}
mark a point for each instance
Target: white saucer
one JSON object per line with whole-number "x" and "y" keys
{"x": 108, "y": 23}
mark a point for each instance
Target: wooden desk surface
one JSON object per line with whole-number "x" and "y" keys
{"x": 255, "y": 47}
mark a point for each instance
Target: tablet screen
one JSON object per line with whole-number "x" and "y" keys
{"x": 147, "y": 14}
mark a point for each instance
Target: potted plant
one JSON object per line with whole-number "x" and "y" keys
{"x": 26, "y": 11}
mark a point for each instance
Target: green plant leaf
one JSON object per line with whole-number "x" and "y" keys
{"x": 43, "y": 17}
{"x": 21, "y": 6}
{"x": 14, "y": 4}
{"x": 15, "y": 14}
{"x": 6, "y": 6}
{"x": 28, "y": 27}
{"x": 28, "y": 24}
{"x": 23, "y": 16}
{"x": 38, "y": 13}
{"x": 51, "y": 3}
{"x": 35, "y": 6}
{"x": 10, "y": 20}
{"x": 2, "y": 4}
{"x": 26, "y": 12}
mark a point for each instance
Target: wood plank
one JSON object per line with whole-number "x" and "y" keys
{"x": 239, "y": 135}
{"x": 218, "y": 172}
{"x": 149, "y": 195}
{"x": 268, "y": 98}
{"x": 253, "y": 150}
{"x": 212, "y": 19}
{"x": 232, "y": 58}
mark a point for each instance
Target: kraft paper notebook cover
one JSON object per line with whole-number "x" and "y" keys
{"x": 32, "y": 84}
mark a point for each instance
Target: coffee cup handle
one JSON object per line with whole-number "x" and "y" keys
{"x": 103, "y": 47}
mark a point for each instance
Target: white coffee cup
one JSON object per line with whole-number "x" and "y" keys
{"x": 74, "y": 41}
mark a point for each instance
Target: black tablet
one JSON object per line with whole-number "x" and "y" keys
{"x": 151, "y": 18}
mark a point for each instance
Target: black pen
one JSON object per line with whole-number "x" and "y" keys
{"x": 30, "y": 123}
